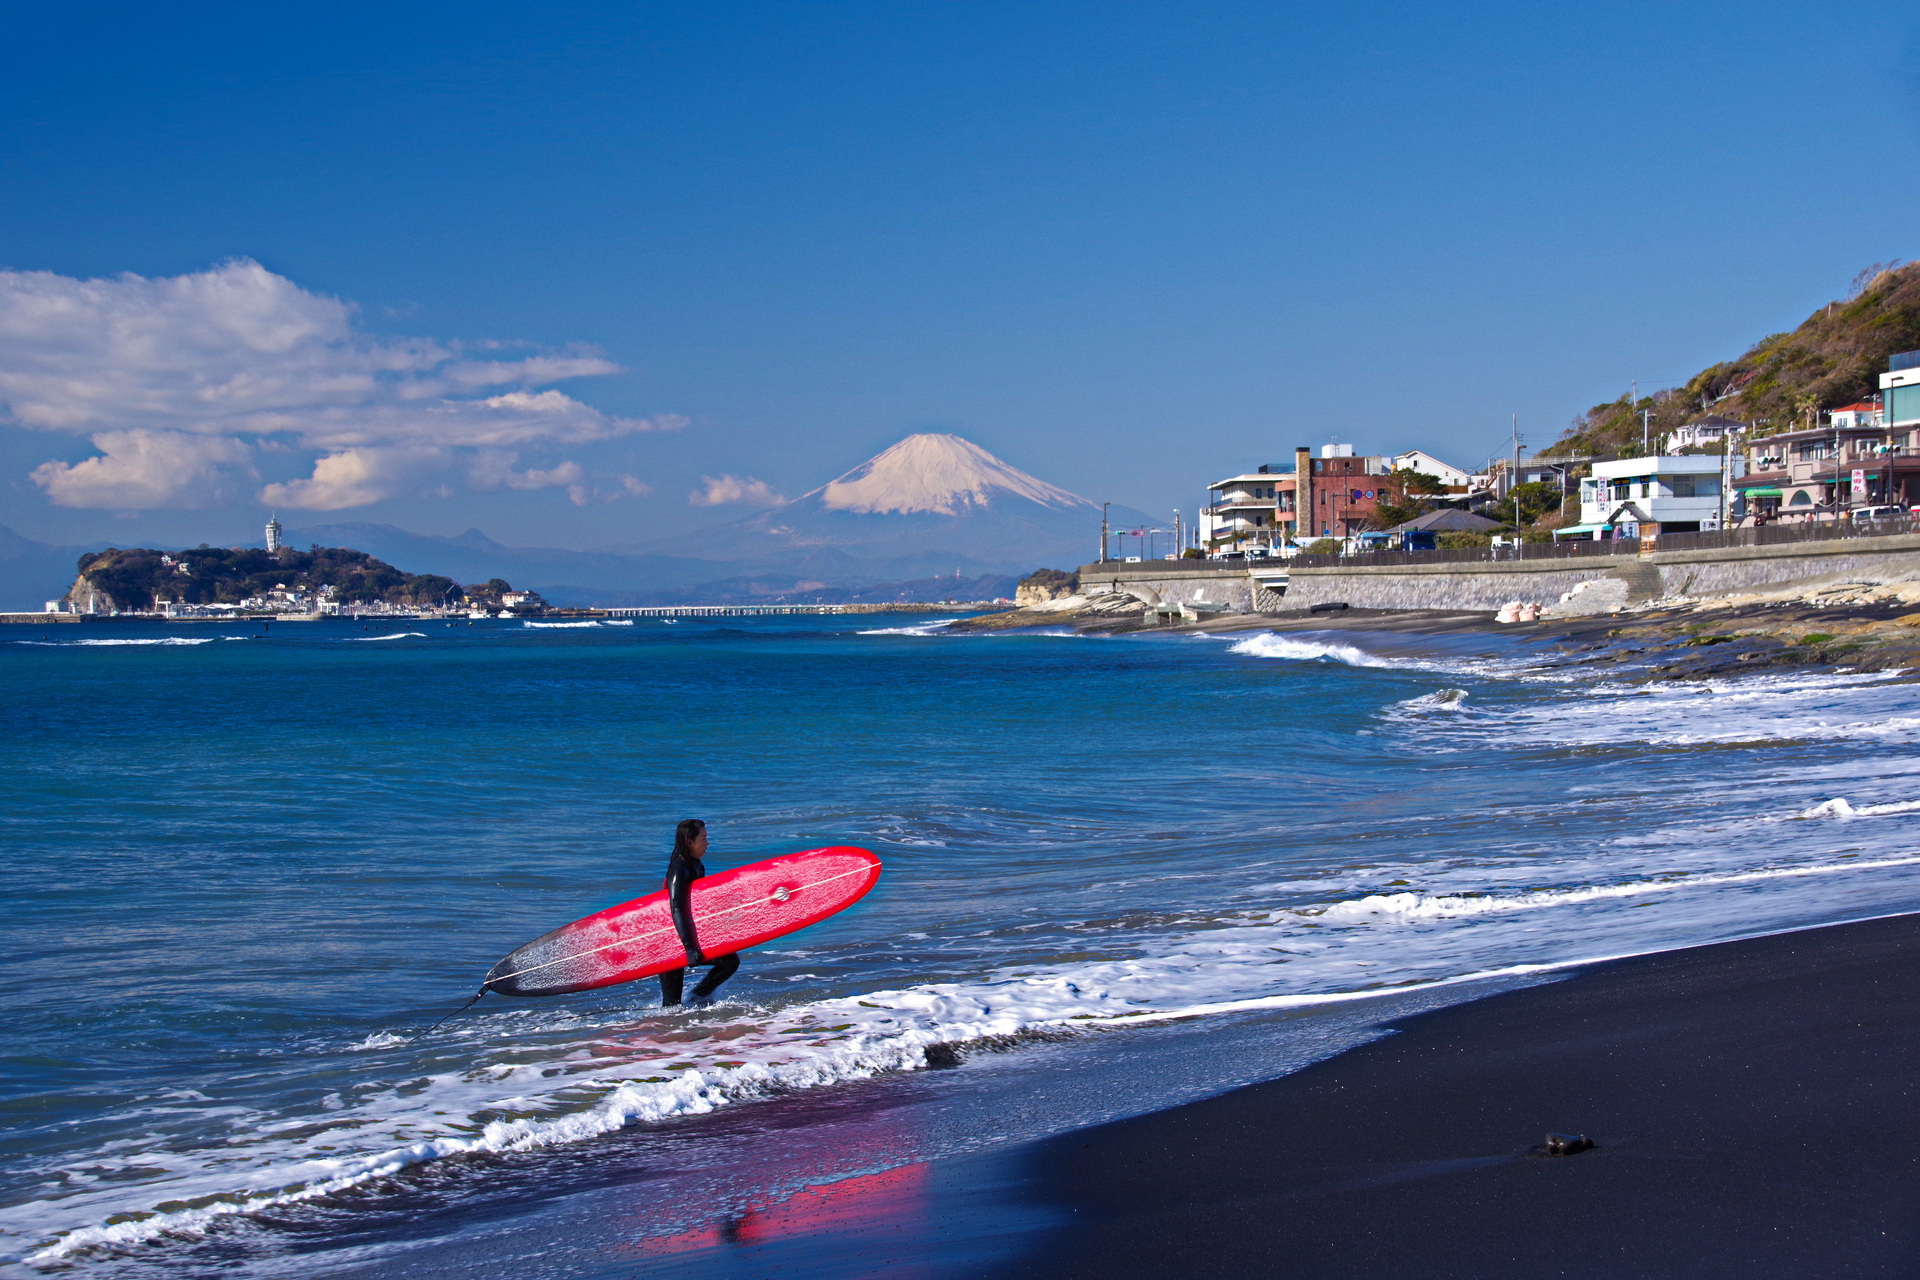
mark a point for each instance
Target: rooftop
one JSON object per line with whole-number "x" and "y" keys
{"x": 1253, "y": 477}
{"x": 1650, "y": 465}
{"x": 1448, "y": 520}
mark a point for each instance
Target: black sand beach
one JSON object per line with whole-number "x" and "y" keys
{"x": 1756, "y": 1106}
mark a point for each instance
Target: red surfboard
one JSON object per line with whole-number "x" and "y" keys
{"x": 732, "y": 910}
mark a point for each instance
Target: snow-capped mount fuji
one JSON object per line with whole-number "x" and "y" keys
{"x": 931, "y": 503}
{"x": 940, "y": 475}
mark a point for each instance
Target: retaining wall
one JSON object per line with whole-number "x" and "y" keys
{"x": 1722, "y": 571}
{"x": 1484, "y": 584}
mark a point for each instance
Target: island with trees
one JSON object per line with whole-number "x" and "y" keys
{"x": 319, "y": 580}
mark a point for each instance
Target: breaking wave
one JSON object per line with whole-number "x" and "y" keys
{"x": 517, "y": 1080}
{"x": 155, "y": 640}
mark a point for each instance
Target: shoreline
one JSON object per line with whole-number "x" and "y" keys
{"x": 1682, "y": 641}
{"x": 1749, "y": 1101}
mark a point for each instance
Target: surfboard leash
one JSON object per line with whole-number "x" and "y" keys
{"x": 456, "y": 1013}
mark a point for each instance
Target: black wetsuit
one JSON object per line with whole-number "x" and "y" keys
{"x": 682, "y": 871}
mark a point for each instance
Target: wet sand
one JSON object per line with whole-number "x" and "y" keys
{"x": 1755, "y": 1104}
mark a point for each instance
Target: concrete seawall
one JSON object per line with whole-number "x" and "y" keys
{"x": 1229, "y": 588}
{"x": 1486, "y": 584}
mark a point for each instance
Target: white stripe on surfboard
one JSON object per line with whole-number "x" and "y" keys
{"x": 775, "y": 896}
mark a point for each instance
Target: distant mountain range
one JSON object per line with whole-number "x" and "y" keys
{"x": 32, "y": 573}
{"x": 935, "y": 517}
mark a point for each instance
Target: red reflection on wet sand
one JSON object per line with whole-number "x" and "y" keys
{"x": 891, "y": 1203}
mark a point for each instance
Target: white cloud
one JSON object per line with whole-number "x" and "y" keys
{"x": 726, "y": 490}
{"x": 493, "y": 468}
{"x": 141, "y": 469}
{"x": 353, "y": 478}
{"x": 247, "y": 359}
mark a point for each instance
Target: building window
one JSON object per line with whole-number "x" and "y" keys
{"x": 1903, "y": 404}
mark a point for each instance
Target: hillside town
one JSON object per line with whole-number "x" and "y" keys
{"x": 1855, "y": 463}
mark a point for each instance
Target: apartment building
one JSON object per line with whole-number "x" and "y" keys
{"x": 1867, "y": 454}
{"x": 1334, "y": 495}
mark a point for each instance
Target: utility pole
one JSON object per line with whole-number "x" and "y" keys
{"x": 1515, "y": 479}
{"x": 1103, "y": 531}
{"x": 1727, "y": 476}
{"x": 1633, "y": 405}
{"x": 1178, "y": 545}
{"x": 1836, "y": 459}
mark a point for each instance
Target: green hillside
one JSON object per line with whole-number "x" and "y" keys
{"x": 138, "y": 577}
{"x": 1834, "y": 358}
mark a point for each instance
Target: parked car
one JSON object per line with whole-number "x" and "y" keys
{"x": 1878, "y": 513}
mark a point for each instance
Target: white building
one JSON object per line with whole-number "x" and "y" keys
{"x": 1427, "y": 464}
{"x": 1672, "y": 494}
{"x": 1247, "y": 509}
{"x": 273, "y": 533}
{"x": 1710, "y": 430}
{"x": 1864, "y": 413}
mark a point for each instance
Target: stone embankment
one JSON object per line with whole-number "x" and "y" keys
{"x": 1118, "y": 595}
{"x": 1606, "y": 584}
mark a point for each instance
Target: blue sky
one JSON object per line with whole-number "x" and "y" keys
{"x": 630, "y": 254}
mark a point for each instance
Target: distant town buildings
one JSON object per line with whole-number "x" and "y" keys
{"x": 1823, "y": 472}
{"x": 1860, "y": 461}
{"x": 1711, "y": 431}
{"x": 1336, "y": 495}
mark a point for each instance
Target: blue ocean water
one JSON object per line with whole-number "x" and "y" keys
{"x": 246, "y": 872}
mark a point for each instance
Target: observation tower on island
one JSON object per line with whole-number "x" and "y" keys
{"x": 273, "y": 533}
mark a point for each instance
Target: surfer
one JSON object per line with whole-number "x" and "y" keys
{"x": 684, "y": 866}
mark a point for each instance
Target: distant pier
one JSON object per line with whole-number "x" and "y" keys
{"x": 722, "y": 610}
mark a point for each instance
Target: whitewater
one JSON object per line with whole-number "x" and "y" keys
{"x": 1226, "y": 853}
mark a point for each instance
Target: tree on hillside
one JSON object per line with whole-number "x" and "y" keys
{"x": 1403, "y": 500}
{"x": 1537, "y": 498}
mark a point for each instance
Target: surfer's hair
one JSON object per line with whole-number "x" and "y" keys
{"x": 683, "y": 835}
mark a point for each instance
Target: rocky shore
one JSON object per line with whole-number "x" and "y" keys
{"x": 1859, "y": 626}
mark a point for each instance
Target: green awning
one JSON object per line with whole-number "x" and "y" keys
{"x": 1762, "y": 493}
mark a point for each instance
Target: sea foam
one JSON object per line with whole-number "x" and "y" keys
{"x": 524, "y": 1079}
